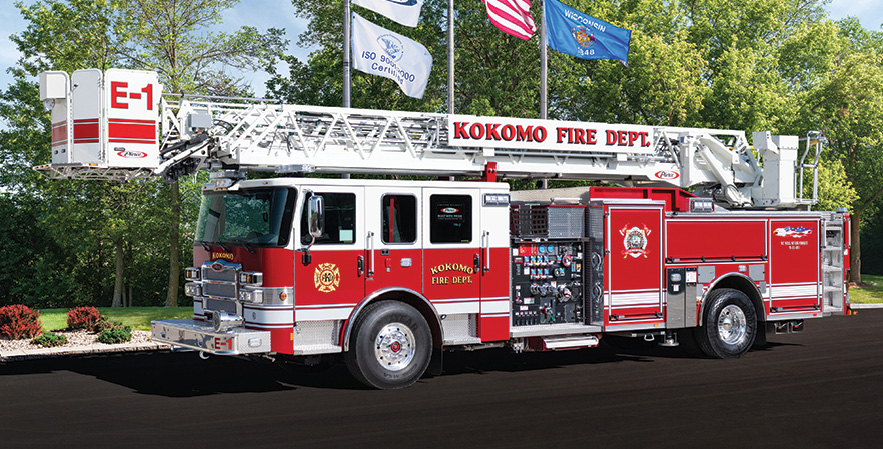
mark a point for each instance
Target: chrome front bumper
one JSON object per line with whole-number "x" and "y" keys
{"x": 202, "y": 337}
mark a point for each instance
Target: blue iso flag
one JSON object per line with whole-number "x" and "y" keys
{"x": 578, "y": 34}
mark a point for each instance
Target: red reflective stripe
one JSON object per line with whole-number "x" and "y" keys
{"x": 132, "y": 132}
{"x": 86, "y": 131}
{"x": 150, "y": 141}
{"x": 131, "y": 120}
{"x": 59, "y": 133}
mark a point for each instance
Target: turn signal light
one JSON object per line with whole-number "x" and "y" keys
{"x": 251, "y": 278}
{"x": 191, "y": 274}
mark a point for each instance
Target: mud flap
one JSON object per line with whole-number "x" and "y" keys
{"x": 435, "y": 367}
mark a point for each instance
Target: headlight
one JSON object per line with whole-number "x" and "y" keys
{"x": 255, "y": 296}
{"x": 192, "y": 289}
{"x": 191, "y": 274}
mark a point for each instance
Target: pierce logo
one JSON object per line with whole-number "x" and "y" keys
{"x": 450, "y": 210}
{"x": 129, "y": 154}
{"x": 666, "y": 174}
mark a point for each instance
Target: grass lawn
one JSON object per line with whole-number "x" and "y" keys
{"x": 137, "y": 317}
{"x": 873, "y": 293}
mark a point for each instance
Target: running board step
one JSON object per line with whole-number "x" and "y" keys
{"x": 570, "y": 342}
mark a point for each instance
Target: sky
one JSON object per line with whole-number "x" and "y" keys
{"x": 263, "y": 14}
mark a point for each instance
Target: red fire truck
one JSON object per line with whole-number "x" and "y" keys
{"x": 389, "y": 273}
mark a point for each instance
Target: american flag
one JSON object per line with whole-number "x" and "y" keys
{"x": 511, "y": 16}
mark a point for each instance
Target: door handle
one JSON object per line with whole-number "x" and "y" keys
{"x": 486, "y": 242}
{"x": 476, "y": 262}
{"x": 360, "y": 265}
{"x": 370, "y": 253}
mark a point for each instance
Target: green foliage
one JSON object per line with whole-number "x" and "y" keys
{"x": 66, "y": 235}
{"x": 835, "y": 190}
{"x": 49, "y": 339}
{"x": 870, "y": 292}
{"x": 115, "y": 334}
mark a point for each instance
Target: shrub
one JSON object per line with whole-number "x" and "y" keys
{"x": 18, "y": 321}
{"x": 117, "y": 334}
{"x": 49, "y": 339}
{"x": 104, "y": 324}
{"x": 83, "y": 318}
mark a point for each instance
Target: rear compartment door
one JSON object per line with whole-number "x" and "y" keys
{"x": 634, "y": 294}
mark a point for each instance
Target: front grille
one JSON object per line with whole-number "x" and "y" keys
{"x": 227, "y": 273}
{"x": 219, "y": 290}
{"x": 219, "y": 279}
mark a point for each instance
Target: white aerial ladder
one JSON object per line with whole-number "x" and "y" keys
{"x": 118, "y": 125}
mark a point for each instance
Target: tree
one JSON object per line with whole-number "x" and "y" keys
{"x": 167, "y": 38}
{"x": 849, "y": 104}
{"x": 170, "y": 37}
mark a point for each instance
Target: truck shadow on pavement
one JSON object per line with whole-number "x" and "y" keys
{"x": 170, "y": 374}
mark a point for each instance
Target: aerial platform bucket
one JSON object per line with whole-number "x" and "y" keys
{"x": 104, "y": 126}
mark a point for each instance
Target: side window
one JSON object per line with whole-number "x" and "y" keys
{"x": 399, "y": 220}
{"x": 340, "y": 220}
{"x": 450, "y": 219}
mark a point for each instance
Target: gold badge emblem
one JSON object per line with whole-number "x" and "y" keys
{"x": 326, "y": 277}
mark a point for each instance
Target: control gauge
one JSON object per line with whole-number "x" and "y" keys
{"x": 542, "y": 249}
{"x": 551, "y": 248}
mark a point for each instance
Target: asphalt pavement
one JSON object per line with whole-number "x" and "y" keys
{"x": 821, "y": 388}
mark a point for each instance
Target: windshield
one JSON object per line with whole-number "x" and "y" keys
{"x": 253, "y": 217}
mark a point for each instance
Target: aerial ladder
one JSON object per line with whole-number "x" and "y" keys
{"x": 119, "y": 125}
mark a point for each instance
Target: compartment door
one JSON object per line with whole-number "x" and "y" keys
{"x": 634, "y": 293}
{"x": 794, "y": 265}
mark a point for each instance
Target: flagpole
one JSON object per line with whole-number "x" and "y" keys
{"x": 450, "y": 56}
{"x": 347, "y": 23}
{"x": 544, "y": 66}
{"x": 544, "y": 79}
{"x": 346, "y": 52}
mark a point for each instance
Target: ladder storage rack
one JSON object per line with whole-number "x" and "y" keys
{"x": 833, "y": 257}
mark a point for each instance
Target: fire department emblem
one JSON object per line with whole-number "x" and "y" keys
{"x": 635, "y": 241}
{"x": 326, "y": 277}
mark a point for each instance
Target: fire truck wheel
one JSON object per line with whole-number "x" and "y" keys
{"x": 391, "y": 345}
{"x": 730, "y": 324}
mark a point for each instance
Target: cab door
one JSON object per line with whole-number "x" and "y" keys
{"x": 331, "y": 281}
{"x": 393, "y": 238}
{"x": 452, "y": 249}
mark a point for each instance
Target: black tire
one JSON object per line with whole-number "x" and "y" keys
{"x": 729, "y": 324}
{"x": 390, "y": 346}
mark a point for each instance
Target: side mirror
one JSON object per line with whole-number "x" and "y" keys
{"x": 316, "y": 216}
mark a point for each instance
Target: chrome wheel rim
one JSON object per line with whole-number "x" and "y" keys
{"x": 732, "y": 326}
{"x": 394, "y": 346}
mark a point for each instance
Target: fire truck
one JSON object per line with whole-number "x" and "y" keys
{"x": 389, "y": 274}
